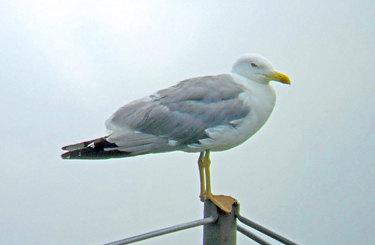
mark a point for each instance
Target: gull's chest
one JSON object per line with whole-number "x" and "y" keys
{"x": 261, "y": 102}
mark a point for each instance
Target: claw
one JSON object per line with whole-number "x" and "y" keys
{"x": 203, "y": 196}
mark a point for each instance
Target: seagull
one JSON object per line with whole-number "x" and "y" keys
{"x": 197, "y": 115}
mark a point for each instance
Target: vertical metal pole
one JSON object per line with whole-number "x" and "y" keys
{"x": 223, "y": 231}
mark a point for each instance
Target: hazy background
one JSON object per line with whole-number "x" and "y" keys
{"x": 66, "y": 66}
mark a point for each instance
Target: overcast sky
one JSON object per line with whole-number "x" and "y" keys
{"x": 66, "y": 66}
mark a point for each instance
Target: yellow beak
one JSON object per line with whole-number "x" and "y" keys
{"x": 279, "y": 77}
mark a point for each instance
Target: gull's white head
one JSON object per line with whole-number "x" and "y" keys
{"x": 257, "y": 68}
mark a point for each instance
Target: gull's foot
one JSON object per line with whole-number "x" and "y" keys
{"x": 203, "y": 196}
{"x": 225, "y": 203}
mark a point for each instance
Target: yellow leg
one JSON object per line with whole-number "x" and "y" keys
{"x": 223, "y": 202}
{"x": 207, "y": 163}
{"x": 202, "y": 196}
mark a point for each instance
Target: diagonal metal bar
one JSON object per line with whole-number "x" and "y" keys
{"x": 164, "y": 231}
{"x": 265, "y": 230}
{"x": 252, "y": 236}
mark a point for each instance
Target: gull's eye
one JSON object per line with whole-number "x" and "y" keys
{"x": 254, "y": 65}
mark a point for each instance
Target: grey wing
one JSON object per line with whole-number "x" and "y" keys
{"x": 178, "y": 116}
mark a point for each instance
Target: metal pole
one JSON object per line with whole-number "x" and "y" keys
{"x": 223, "y": 231}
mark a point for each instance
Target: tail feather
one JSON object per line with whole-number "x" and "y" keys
{"x": 93, "y": 149}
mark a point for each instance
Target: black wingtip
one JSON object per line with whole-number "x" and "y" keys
{"x": 65, "y": 155}
{"x": 83, "y": 145}
{"x": 93, "y": 150}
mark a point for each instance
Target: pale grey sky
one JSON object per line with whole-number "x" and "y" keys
{"x": 66, "y": 66}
